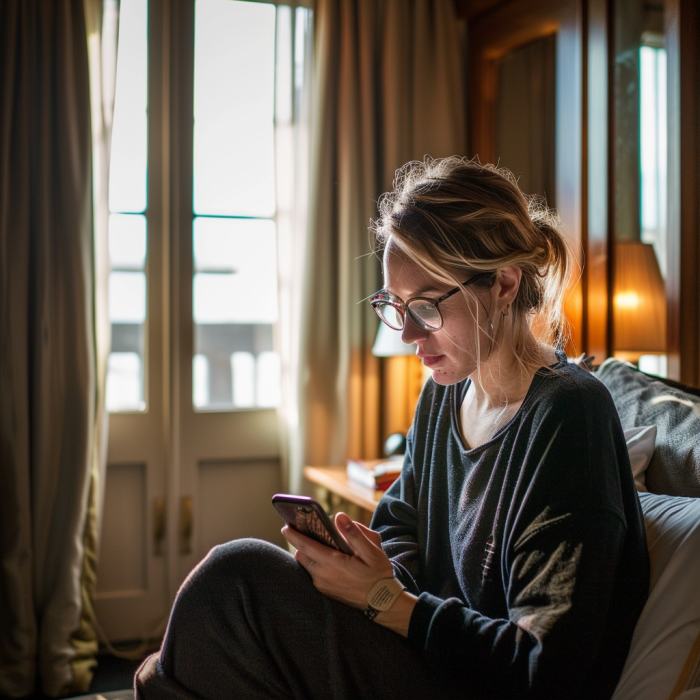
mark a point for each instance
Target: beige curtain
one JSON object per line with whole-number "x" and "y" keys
{"x": 388, "y": 88}
{"x": 51, "y": 403}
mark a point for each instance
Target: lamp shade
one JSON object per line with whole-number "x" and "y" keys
{"x": 389, "y": 344}
{"x": 639, "y": 301}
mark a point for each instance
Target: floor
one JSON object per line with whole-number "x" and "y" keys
{"x": 113, "y": 680}
{"x": 113, "y": 674}
{"x": 127, "y": 694}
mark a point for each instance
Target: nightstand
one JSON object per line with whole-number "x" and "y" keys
{"x": 335, "y": 492}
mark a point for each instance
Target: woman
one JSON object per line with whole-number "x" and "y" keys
{"x": 510, "y": 556}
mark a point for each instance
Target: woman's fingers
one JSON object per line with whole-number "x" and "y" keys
{"x": 363, "y": 544}
{"x": 315, "y": 550}
{"x": 305, "y": 560}
{"x": 345, "y": 578}
{"x": 352, "y": 534}
{"x": 374, "y": 537}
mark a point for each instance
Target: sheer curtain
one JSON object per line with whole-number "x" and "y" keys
{"x": 51, "y": 367}
{"x": 295, "y": 46}
{"x": 388, "y": 87}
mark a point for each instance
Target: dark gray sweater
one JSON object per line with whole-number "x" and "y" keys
{"x": 528, "y": 553}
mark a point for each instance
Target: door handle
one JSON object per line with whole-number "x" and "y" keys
{"x": 158, "y": 526}
{"x": 186, "y": 523}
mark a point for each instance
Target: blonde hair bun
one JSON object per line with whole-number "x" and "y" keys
{"x": 454, "y": 215}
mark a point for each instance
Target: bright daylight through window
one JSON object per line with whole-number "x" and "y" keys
{"x": 127, "y": 222}
{"x": 234, "y": 232}
{"x": 244, "y": 77}
{"x": 652, "y": 156}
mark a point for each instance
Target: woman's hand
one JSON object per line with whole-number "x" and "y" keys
{"x": 337, "y": 575}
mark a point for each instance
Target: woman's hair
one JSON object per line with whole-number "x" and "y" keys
{"x": 455, "y": 217}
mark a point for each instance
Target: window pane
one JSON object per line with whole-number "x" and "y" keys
{"x": 235, "y": 307}
{"x": 234, "y": 108}
{"x": 236, "y": 264}
{"x": 268, "y": 379}
{"x": 127, "y": 297}
{"x": 127, "y": 185}
{"x": 653, "y": 149}
{"x": 125, "y": 382}
{"x": 243, "y": 377}
{"x": 127, "y": 199}
{"x": 200, "y": 381}
{"x": 127, "y": 241}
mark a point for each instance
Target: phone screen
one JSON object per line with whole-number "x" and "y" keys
{"x": 308, "y": 517}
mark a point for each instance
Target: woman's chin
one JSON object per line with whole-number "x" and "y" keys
{"x": 441, "y": 378}
{"x": 445, "y": 378}
{"x": 446, "y": 373}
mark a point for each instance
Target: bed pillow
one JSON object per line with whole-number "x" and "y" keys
{"x": 664, "y": 655}
{"x": 643, "y": 400}
{"x": 640, "y": 446}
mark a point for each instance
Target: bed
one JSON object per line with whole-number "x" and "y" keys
{"x": 664, "y": 658}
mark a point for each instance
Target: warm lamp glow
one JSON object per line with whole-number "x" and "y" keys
{"x": 626, "y": 300}
{"x": 639, "y": 301}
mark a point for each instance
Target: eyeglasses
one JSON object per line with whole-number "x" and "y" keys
{"x": 422, "y": 311}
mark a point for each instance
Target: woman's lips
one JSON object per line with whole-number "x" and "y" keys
{"x": 430, "y": 360}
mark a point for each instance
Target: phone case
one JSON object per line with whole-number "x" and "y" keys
{"x": 308, "y": 517}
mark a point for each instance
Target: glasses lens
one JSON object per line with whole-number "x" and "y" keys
{"x": 390, "y": 315}
{"x": 425, "y": 315}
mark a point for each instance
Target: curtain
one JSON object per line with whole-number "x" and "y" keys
{"x": 52, "y": 424}
{"x": 293, "y": 76}
{"x": 388, "y": 88}
{"x": 526, "y": 116}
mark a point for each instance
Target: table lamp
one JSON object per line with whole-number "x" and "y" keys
{"x": 639, "y": 302}
{"x": 402, "y": 380}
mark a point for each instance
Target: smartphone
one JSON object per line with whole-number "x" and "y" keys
{"x": 308, "y": 517}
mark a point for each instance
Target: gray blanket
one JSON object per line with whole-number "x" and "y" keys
{"x": 675, "y": 466}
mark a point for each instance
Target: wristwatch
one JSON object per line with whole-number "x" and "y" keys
{"x": 382, "y": 596}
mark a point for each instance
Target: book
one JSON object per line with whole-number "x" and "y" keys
{"x": 375, "y": 473}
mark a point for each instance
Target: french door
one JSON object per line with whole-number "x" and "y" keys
{"x": 203, "y": 87}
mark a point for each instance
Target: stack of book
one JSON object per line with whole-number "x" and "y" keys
{"x": 375, "y": 473}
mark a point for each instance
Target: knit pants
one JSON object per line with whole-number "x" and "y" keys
{"x": 248, "y": 623}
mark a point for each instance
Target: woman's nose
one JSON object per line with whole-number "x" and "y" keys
{"x": 411, "y": 332}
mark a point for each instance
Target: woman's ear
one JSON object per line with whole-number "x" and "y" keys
{"x": 507, "y": 285}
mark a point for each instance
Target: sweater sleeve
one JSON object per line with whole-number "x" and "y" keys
{"x": 561, "y": 560}
{"x": 557, "y": 606}
{"x": 396, "y": 519}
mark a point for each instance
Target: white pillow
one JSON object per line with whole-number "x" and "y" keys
{"x": 670, "y": 621}
{"x": 640, "y": 445}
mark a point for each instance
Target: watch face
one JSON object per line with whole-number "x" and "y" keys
{"x": 384, "y": 593}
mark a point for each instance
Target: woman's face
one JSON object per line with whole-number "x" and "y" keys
{"x": 450, "y": 353}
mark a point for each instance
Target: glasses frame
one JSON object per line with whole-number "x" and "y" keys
{"x": 385, "y": 297}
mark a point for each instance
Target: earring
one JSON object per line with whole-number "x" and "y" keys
{"x": 506, "y": 312}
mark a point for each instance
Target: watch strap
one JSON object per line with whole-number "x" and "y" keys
{"x": 371, "y": 612}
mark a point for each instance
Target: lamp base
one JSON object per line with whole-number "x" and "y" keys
{"x": 653, "y": 363}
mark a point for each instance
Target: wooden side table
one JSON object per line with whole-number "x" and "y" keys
{"x": 335, "y": 492}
